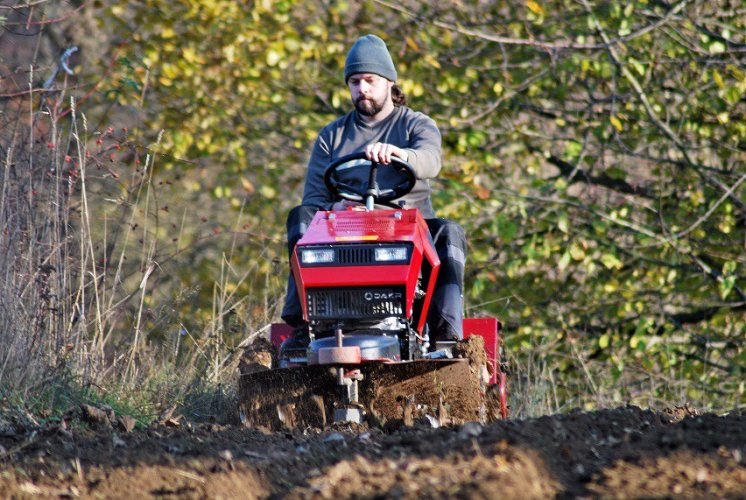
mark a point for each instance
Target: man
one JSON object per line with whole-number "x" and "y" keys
{"x": 382, "y": 126}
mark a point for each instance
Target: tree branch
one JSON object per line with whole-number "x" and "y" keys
{"x": 712, "y": 209}
{"x": 642, "y": 96}
{"x": 546, "y": 45}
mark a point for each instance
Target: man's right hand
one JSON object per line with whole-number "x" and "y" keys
{"x": 382, "y": 152}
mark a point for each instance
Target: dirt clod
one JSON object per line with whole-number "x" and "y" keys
{"x": 257, "y": 357}
{"x": 126, "y": 423}
{"x": 96, "y": 415}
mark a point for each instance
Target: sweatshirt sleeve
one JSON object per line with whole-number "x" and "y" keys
{"x": 424, "y": 147}
{"x": 315, "y": 193}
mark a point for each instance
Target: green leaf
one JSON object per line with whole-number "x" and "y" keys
{"x": 577, "y": 251}
{"x": 728, "y": 281}
{"x": 572, "y": 150}
{"x": 610, "y": 261}
{"x": 718, "y": 78}
{"x": 563, "y": 223}
{"x": 637, "y": 66}
{"x": 603, "y": 341}
{"x": 717, "y": 47}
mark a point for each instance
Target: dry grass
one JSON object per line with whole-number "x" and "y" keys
{"x": 90, "y": 264}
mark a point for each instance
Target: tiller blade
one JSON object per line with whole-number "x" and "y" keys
{"x": 437, "y": 391}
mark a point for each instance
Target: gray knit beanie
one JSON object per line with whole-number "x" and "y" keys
{"x": 370, "y": 55}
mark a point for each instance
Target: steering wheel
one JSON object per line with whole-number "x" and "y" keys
{"x": 380, "y": 196}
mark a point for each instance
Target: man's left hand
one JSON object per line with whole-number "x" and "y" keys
{"x": 382, "y": 152}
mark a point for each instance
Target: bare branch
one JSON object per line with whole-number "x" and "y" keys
{"x": 24, "y": 5}
{"x": 546, "y": 45}
{"x": 712, "y": 209}
{"x": 30, "y": 23}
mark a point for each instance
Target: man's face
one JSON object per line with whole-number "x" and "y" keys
{"x": 369, "y": 92}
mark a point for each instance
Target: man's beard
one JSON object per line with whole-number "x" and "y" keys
{"x": 368, "y": 107}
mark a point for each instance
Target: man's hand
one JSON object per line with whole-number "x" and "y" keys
{"x": 381, "y": 152}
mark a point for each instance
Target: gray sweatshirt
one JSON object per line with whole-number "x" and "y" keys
{"x": 410, "y": 130}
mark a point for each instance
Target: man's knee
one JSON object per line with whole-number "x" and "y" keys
{"x": 446, "y": 231}
{"x": 297, "y": 222}
{"x": 449, "y": 240}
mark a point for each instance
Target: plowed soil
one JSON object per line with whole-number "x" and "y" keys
{"x": 622, "y": 452}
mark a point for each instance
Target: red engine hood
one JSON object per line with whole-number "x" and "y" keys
{"x": 362, "y": 226}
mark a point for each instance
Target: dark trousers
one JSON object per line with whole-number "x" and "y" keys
{"x": 446, "y": 307}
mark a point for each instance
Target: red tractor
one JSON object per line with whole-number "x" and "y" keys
{"x": 365, "y": 278}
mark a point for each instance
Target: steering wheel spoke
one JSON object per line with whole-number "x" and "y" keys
{"x": 350, "y": 196}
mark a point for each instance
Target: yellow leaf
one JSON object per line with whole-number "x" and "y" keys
{"x": 577, "y": 252}
{"x": 411, "y": 43}
{"x": 432, "y": 61}
{"x": 273, "y": 57}
{"x": 229, "y": 52}
{"x": 189, "y": 54}
{"x": 603, "y": 341}
{"x": 167, "y": 33}
{"x": 169, "y": 71}
{"x": 268, "y": 192}
{"x": 535, "y": 7}
{"x": 611, "y": 261}
{"x": 737, "y": 73}
{"x": 718, "y": 79}
{"x": 247, "y": 185}
{"x": 498, "y": 88}
{"x": 616, "y": 123}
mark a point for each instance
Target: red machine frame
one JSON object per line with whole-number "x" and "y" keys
{"x": 377, "y": 226}
{"x": 380, "y": 226}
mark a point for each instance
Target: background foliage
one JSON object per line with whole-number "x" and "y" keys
{"x": 594, "y": 152}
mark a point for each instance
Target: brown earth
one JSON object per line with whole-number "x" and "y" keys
{"x": 622, "y": 452}
{"x": 450, "y": 391}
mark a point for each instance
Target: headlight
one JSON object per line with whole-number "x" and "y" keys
{"x": 317, "y": 256}
{"x": 392, "y": 254}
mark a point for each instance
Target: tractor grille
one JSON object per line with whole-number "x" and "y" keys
{"x": 355, "y": 255}
{"x": 348, "y": 303}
